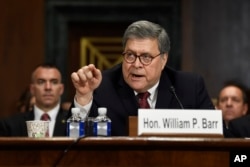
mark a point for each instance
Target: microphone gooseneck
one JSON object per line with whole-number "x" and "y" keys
{"x": 176, "y": 97}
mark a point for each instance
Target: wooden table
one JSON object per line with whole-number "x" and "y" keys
{"x": 119, "y": 151}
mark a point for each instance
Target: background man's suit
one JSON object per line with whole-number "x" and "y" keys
{"x": 121, "y": 101}
{"x": 239, "y": 127}
{"x": 16, "y": 125}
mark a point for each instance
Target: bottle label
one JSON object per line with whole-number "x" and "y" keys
{"x": 75, "y": 129}
{"x": 102, "y": 129}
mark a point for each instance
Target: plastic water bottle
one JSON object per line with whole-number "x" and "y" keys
{"x": 75, "y": 124}
{"x": 102, "y": 124}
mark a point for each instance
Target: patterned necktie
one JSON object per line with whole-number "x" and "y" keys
{"x": 143, "y": 102}
{"x": 45, "y": 117}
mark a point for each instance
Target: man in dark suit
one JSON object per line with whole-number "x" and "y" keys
{"x": 239, "y": 127}
{"x": 47, "y": 87}
{"x": 146, "y": 46}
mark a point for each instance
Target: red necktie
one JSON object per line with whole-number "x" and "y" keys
{"x": 45, "y": 117}
{"x": 143, "y": 102}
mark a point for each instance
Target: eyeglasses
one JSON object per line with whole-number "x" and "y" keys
{"x": 144, "y": 58}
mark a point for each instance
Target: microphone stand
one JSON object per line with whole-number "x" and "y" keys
{"x": 172, "y": 89}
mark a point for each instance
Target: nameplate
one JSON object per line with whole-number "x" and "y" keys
{"x": 179, "y": 121}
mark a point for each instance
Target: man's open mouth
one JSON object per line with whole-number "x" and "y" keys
{"x": 137, "y": 76}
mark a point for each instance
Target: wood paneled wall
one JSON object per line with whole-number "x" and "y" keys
{"x": 21, "y": 48}
{"x": 216, "y": 41}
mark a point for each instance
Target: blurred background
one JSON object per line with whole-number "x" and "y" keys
{"x": 211, "y": 38}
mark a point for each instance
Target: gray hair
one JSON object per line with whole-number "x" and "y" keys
{"x": 146, "y": 29}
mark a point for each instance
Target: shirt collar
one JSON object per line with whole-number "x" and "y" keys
{"x": 152, "y": 91}
{"x": 52, "y": 113}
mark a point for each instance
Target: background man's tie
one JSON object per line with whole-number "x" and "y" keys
{"x": 45, "y": 117}
{"x": 143, "y": 102}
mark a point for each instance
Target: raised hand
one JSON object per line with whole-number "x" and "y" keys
{"x": 86, "y": 80}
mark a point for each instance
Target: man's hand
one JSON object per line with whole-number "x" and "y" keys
{"x": 86, "y": 80}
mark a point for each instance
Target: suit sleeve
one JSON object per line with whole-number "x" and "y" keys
{"x": 240, "y": 127}
{"x": 3, "y": 128}
{"x": 203, "y": 98}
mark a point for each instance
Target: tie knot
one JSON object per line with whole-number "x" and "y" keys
{"x": 143, "y": 102}
{"x": 45, "y": 117}
{"x": 143, "y": 95}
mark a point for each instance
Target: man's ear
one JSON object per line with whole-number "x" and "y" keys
{"x": 245, "y": 109}
{"x": 62, "y": 89}
{"x": 164, "y": 60}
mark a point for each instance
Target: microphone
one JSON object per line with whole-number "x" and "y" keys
{"x": 172, "y": 89}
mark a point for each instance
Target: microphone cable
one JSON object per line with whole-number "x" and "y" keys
{"x": 71, "y": 145}
{"x": 176, "y": 97}
{"x": 67, "y": 149}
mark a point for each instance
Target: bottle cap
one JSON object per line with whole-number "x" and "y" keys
{"x": 102, "y": 111}
{"x": 75, "y": 110}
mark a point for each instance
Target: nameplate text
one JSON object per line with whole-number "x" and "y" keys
{"x": 175, "y": 121}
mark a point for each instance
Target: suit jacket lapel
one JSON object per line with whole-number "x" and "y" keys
{"x": 29, "y": 115}
{"x": 164, "y": 96}
{"x": 128, "y": 98}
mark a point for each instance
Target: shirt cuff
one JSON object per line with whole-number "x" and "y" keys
{"x": 84, "y": 109}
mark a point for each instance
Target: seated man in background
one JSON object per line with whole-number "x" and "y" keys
{"x": 143, "y": 71}
{"x": 240, "y": 127}
{"x": 232, "y": 101}
{"x": 47, "y": 87}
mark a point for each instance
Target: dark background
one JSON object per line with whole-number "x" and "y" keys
{"x": 207, "y": 37}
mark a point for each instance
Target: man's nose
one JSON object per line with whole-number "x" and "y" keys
{"x": 48, "y": 85}
{"x": 229, "y": 102}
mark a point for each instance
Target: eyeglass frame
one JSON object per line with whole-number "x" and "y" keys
{"x": 136, "y": 56}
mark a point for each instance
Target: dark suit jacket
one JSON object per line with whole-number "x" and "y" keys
{"x": 239, "y": 127}
{"x": 121, "y": 102}
{"x": 16, "y": 124}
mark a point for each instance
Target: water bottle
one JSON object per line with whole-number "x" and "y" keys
{"x": 102, "y": 124}
{"x": 75, "y": 124}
